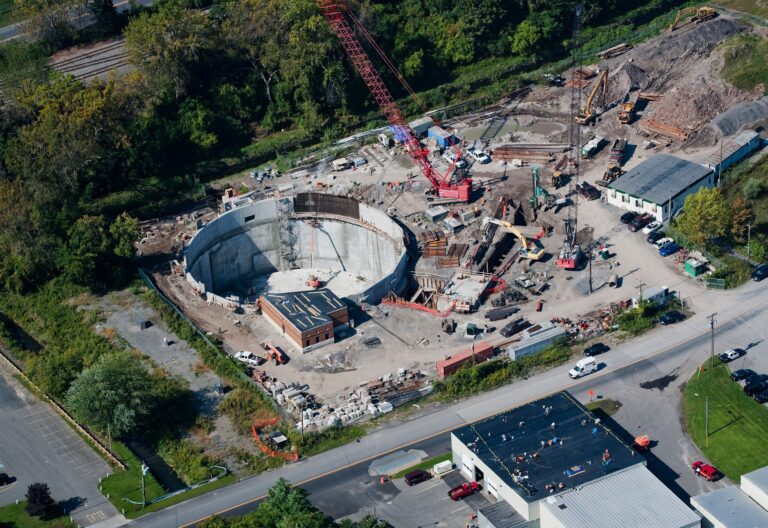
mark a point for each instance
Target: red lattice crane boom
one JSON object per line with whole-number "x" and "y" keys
{"x": 333, "y": 10}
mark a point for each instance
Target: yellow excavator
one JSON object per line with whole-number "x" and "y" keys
{"x": 529, "y": 246}
{"x": 700, "y": 14}
{"x": 587, "y": 115}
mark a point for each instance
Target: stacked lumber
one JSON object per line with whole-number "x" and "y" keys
{"x": 433, "y": 243}
{"x": 665, "y": 130}
{"x": 614, "y": 51}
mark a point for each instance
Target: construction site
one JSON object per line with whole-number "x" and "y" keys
{"x": 483, "y": 234}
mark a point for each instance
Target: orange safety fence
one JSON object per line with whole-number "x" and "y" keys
{"x": 420, "y": 307}
{"x": 290, "y": 457}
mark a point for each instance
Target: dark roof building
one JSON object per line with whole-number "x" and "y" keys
{"x": 307, "y": 318}
{"x": 659, "y": 185}
{"x": 554, "y": 447}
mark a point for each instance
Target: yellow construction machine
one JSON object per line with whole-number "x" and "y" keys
{"x": 700, "y": 14}
{"x": 627, "y": 113}
{"x": 587, "y": 115}
{"x": 529, "y": 247}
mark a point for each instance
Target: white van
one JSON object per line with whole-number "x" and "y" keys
{"x": 584, "y": 366}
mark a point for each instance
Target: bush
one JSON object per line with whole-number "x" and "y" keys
{"x": 39, "y": 501}
{"x": 472, "y": 379}
{"x": 187, "y": 460}
{"x": 734, "y": 271}
{"x": 753, "y": 188}
{"x": 243, "y": 406}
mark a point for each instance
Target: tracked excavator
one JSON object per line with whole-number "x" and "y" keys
{"x": 529, "y": 248}
{"x": 700, "y": 14}
{"x": 587, "y": 115}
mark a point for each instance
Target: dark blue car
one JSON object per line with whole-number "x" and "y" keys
{"x": 669, "y": 249}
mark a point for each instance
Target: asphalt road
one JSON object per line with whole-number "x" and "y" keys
{"x": 36, "y": 445}
{"x": 14, "y": 31}
{"x": 689, "y": 338}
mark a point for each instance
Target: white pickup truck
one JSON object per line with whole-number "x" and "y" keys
{"x": 249, "y": 358}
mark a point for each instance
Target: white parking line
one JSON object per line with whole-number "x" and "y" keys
{"x": 428, "y": 488}
{"x": 462, "y": 508}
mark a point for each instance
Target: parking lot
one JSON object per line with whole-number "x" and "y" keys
{"x": 36, "y": 445}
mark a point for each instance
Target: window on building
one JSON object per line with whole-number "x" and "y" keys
{"x": 306, "y": 343}
{"x": 327, "y": 335}
{"x": 250, "y": 218}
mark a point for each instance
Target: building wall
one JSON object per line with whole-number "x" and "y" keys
{"x": 755, "y": 492}
{"x": 466, "y": 461}
{"x": 661, "y": 212}
{"x": 244, "y": 243}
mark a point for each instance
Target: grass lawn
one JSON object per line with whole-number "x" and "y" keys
{"x": 746, "y": 61}
{"x": 15, "y": 516}
{"x": 607, "y": 406}
{"x": 424, "y": 464}
{"x": 738, "y": 425}
{"x": 127, "y": 483}
{"x": 759, "y": 7}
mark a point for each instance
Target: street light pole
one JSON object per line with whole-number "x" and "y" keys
{"x": 591, "y": 248}
{"x": 144, "y": 470}
{"x": 711, "y": 318}
{"x": 749, "y": 233}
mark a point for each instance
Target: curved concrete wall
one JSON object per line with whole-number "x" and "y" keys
{"x": 245, "y": 243}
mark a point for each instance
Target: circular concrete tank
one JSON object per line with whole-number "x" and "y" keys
{"x": 275, "y": 246}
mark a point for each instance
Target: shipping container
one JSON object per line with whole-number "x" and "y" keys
{"x": 444, "y": 138}
{"x": 482, "y": 352}
{"x": 421, "y": 125}
{"x": 501, "y": 313}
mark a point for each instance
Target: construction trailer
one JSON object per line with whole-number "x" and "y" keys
{"x": 535, "y": 339}
{"x": 443, "y": 138}
{"x": 480, "y": 353}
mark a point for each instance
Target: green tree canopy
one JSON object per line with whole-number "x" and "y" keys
{"x": 705, "y": 215}
{"x": 114, "y": 395}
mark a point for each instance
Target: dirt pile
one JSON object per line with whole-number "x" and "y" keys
{"x": 752, "y": 114}
{"x": 628, "y": 78}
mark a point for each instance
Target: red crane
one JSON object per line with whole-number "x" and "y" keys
{"x": 333, "y": 10}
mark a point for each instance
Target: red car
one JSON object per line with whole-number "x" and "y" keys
{"x": 465, "y": 490}
{"x": 705, "y": 470}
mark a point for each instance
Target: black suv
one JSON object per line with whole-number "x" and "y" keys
{"x": 597, "y": 348}
{"x": 753, "y": 388}
{"x": 417, "y": 476}
{"x": 762, "y": 397}
{"x": 656, "y": 235}
{"x": 626, "y": 218}
{"x": 738, "y": 375}
{"x": 760, "y": 273}
{"x": 671, "y": 317}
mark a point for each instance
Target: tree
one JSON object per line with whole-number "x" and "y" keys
{"x": 39, "y": 501}
{"x": 106, "y": 19}
{"x": 705, "y": 215}
{"x": 125, "y": 233}
{"x": 51, "y": 19}
{"x": 88, "y": 245}
{"x": 741, "y": 216}
{"x": 114, "y": 395}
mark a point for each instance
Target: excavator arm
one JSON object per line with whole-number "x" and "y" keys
{"x": 528, "y": 249}
{"x": 587, "y": 115}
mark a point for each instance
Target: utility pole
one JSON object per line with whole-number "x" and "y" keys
{"x": 589, "y": 256}
{"x": 144, "y": 470}
{"x": 749, "y": 235}
{"x": 712, "y": 321}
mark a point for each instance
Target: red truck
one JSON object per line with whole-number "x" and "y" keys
{"x": 704, "y": 470}
{"x": 465, "y": 490}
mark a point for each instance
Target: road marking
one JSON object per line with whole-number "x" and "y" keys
{"x": 429, "y": 488}
{"x": 462, "y": 508}
{"x": 598, "y": 374}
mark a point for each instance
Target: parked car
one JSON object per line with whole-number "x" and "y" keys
{"x": 655, "y": 237}
{"x": 652, "y": 227}
{"x": 588, "y": 191}
{"x": 595, "y": 349}
{"x": 640, "y": 221}
{"x": 450, "y": 155}
{"x": 671, "y": 317}
{"x": 730, "y": 355}
{"x": 760, "y": 273}
{"x": 754, "y": 378}
{"x": 705, "y": 470}
{"x": 669, "y": 249}
{"x": 627, "y": 217}
{"x": 479, "y": 156}
{"x": 5, "y": 479}
{"x": 417, "y": 476}
{"x": 738, "y": 375}
{"x": 465, "y": 490}
{"x": 249, "y": 358}
{"x": 750, "y": 389}
{"x": 762, "y": 397}
{"x": 663, "y": 242}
